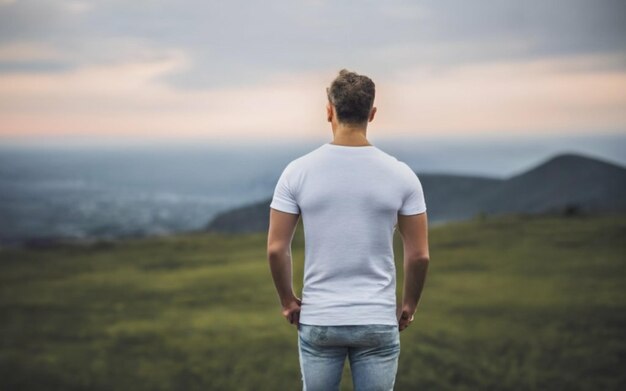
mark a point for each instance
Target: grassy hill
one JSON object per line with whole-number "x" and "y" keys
{"x": 511, "y": 303}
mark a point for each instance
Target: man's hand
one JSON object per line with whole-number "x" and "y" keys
{"x": 414, "y": 232}
{"x": 291, "y": 310}
{"x": 405, "y": 317}
{"x": 281, "y": 231}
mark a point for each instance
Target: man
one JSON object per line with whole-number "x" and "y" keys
{"x": 351, "y": 196}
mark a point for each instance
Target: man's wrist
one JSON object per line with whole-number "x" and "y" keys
{"x": 409, "y": 308}
{"x": 288, "y": 300}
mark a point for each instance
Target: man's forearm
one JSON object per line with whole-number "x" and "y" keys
{"x": 414, "y": 279}
{"x": 280, "y": 265}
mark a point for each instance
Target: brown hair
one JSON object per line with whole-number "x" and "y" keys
{"x": 352, "y": 95}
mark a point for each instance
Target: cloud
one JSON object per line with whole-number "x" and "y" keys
{"x": 28, "y": 51}
{"x": 255, "y": 68}
{"x": 128, "y": 99}
{"x": 557, "y": 94}
{"x": 241, "y": 42}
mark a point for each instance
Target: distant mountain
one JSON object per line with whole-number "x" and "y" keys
{"x": 246, "y": 219}
{"x": 454, "y": 197}
{"x": 567, "y": 183}
{"x": 567, "y": 180}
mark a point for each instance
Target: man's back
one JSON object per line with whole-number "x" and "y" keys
{"x": 349, "y": 198}
{"x": 350, "y": 195}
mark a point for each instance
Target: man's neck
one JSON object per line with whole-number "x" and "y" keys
{"x": 350, "y": 136}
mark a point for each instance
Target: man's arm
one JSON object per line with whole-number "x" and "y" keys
{"x": 414, "y": 232}
{"x": 282, "y": 228}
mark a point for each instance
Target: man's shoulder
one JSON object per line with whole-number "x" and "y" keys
{"x": 387, "y": 156}
{"x": 394, "y": 162}
{"x": 305, "y": 159}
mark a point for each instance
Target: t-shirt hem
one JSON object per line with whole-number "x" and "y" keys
{"x": 412, "y": 212}
{"x": 283, "y": 208}
{"x": 346, "y": 321}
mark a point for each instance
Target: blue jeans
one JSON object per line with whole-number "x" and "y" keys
{"x": 372, "y": 350}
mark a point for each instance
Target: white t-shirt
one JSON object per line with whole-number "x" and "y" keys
{"x": 349, "y": 198}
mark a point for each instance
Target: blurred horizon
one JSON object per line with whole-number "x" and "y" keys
{"x": 123, "y": 189}
{"x": 483, "y": 155}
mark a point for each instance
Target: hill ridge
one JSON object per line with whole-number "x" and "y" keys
{"x": 567, "y": 182}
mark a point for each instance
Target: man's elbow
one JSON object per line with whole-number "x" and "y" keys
{"x": 275, "y": 253}
{"x": 420, "y": 259}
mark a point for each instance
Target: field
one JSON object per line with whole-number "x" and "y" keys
{"x": 510, "y": 303}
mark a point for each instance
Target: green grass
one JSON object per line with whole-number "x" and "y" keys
{"x": 510, "y": 303}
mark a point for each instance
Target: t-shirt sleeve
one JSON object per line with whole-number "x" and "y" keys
{"x": 414, "y": 201}
{"x": 284, "y": 196}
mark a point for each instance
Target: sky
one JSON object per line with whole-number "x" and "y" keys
{"x": 257, "y": 70}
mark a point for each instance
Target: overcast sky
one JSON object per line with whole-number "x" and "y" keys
{"x": 258, "y": 69}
